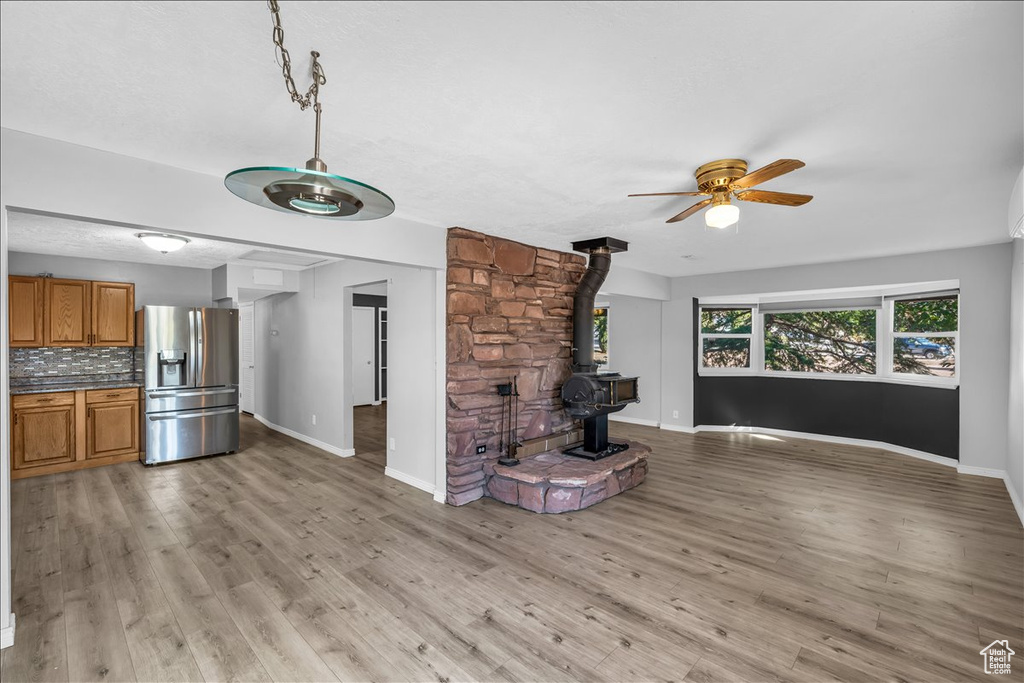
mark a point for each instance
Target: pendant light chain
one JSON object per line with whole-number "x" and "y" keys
{"x": 311, "y": 190}
{"x": 285, "y": 60}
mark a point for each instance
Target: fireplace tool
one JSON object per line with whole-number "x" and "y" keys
{"x": 510, "y": 405}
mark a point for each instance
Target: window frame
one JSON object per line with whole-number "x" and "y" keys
{"x": 890, "y": 373}
{"x": 885, "y": 339}
{"x": 751, "y": 369}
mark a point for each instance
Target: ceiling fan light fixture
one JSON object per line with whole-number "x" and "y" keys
{"x": 162, "y": 242}
{"x": 722, "y": 214}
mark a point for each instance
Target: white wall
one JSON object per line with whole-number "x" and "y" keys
{"x": 634, "y": 348}
{"x": 6, "y": 634}
{"x": 1015, "y": 419}
{"x": 636, "y": 283}
{"x": 154, "y": 285}
{"x": 302, "y": 369}
{"x": 239, "y": 283}
{"x": 984, "y": 273}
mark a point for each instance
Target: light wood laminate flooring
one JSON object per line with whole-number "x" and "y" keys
{"x": 740, "y": 558}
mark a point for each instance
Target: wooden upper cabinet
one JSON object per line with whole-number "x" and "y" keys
{"x": 66, "y": 313}
{"x": 113, "y": 314}
{"x": 25, "y": 311}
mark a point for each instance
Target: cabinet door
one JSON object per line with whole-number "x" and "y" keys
{"x": 113, "y": 314}
{"x": 66, "y": 314}
{"x": 43, "y": 436}
{"x": 112, "y": 429}
{"x": 25, "y": 310}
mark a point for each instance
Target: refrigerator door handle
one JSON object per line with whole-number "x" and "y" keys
{"x": 201, "y": 392}
{"x": 197, "y": 413}
{"x": 194, "y": 361}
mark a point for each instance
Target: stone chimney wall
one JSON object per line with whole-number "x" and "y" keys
{"x": 509, "y": 313}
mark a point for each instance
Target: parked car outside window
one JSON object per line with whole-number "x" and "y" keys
{"x": 922, "y": 346}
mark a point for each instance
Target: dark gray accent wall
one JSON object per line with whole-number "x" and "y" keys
{"x": 922, "y": 418}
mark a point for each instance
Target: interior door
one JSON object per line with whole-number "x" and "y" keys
{"x": 247, "y": 358}
{"x": 363, "y": 369}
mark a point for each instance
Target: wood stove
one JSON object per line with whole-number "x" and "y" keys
{"x": 590, "y": 395}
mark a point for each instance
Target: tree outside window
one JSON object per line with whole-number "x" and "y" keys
{"x": 839, "y": 342}
{"x": 601, "y": 337}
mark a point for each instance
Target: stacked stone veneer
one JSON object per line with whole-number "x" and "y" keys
{"x": 509, "y": 313}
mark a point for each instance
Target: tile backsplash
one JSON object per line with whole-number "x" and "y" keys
{"x": 58, "y": 361}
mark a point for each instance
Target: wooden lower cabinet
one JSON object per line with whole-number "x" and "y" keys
{"x": 112, "y": 429}
{"x": 43, "y": 435}
{"x": 59, "y": 432}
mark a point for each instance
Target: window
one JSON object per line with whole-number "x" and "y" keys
{"x": 601, "y": 337}
{"x": 906, "y": 333}
{"x": 833, "y": 341}
{"x": 725, "y": 337}
{"x": 925, "y": 332}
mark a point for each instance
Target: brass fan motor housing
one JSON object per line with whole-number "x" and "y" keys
{"x": 717, "y": 176}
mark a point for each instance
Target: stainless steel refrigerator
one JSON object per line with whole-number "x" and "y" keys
{"x": 190, "y": 360}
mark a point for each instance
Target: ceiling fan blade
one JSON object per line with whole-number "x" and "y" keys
{"x": 781, "y": 198}
{"x": 669, "y": 194}
{"x": 689, "y": 212}
{"x": 772, "y": 170}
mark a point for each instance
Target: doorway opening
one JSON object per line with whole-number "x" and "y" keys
{"x": 369, "y": 343}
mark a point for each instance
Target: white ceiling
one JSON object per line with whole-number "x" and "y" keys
{"x": 534, "y": 120}
{"x": 38, "y": 234}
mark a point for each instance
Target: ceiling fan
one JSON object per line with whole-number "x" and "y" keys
{"x": 720, "y": 180}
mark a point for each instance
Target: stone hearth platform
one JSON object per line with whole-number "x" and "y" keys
{"x": 552, "y": 482}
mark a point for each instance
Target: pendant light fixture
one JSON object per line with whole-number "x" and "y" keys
{"x": 308, "y": 191}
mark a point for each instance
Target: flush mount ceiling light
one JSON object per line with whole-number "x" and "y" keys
{"x": 309, "y": 191}
{"x": 162, "y": 242}
{"x": 726, "y": 178}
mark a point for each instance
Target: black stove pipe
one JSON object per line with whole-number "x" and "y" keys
{"x": 583, "y": 309}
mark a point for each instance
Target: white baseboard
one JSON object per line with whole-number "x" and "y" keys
{"x": 677, "y": 428}
{"x": 845, "y": 441}
{"x": 634, "y": 420}
{"x": 410, "y": 480}
{"x": 322, "y": 445}
{"x": 440, "y": 497}
{"x": 7, "y": 634}
{"x": 980, "y": 471}
{"x": 1014, "y": 497}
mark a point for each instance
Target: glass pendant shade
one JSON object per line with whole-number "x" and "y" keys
{"x": 721, "y": 216}
{"x": 162, "y": 242}
{"x": 309, "y": 192}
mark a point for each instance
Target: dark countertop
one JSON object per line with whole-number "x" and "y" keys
{"x": 76, "y": 385}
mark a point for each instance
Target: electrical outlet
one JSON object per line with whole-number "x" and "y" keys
{"x": 391, "y": 443}
{"x": 481, "y": 449}
{"x": 314, "y": 419}
{"x": 675, "y": 414}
